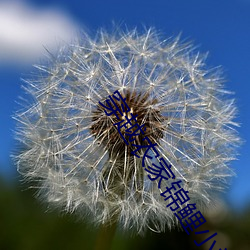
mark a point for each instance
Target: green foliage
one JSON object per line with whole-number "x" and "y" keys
{"x": 25, "y": 225}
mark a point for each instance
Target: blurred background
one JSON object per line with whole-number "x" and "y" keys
{"x": 29, "y": 28}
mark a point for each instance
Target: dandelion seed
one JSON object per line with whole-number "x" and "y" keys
{"x": 80, "y": 160}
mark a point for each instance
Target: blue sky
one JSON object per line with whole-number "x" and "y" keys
{"x": 221, "y": 27}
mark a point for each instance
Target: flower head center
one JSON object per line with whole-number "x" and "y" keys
{"x": 118, "y": 133}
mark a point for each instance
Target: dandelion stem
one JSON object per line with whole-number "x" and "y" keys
{"x": 105, "y": 236}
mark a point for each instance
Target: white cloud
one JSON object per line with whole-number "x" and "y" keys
{"x": 25, "y": 31}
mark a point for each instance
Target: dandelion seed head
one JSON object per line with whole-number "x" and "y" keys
{"x": 79, "y": 160}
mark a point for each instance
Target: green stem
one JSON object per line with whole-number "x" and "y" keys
{"x": 105, "y": 236}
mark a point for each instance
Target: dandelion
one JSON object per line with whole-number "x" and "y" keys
{"x": 78, "y": 159}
